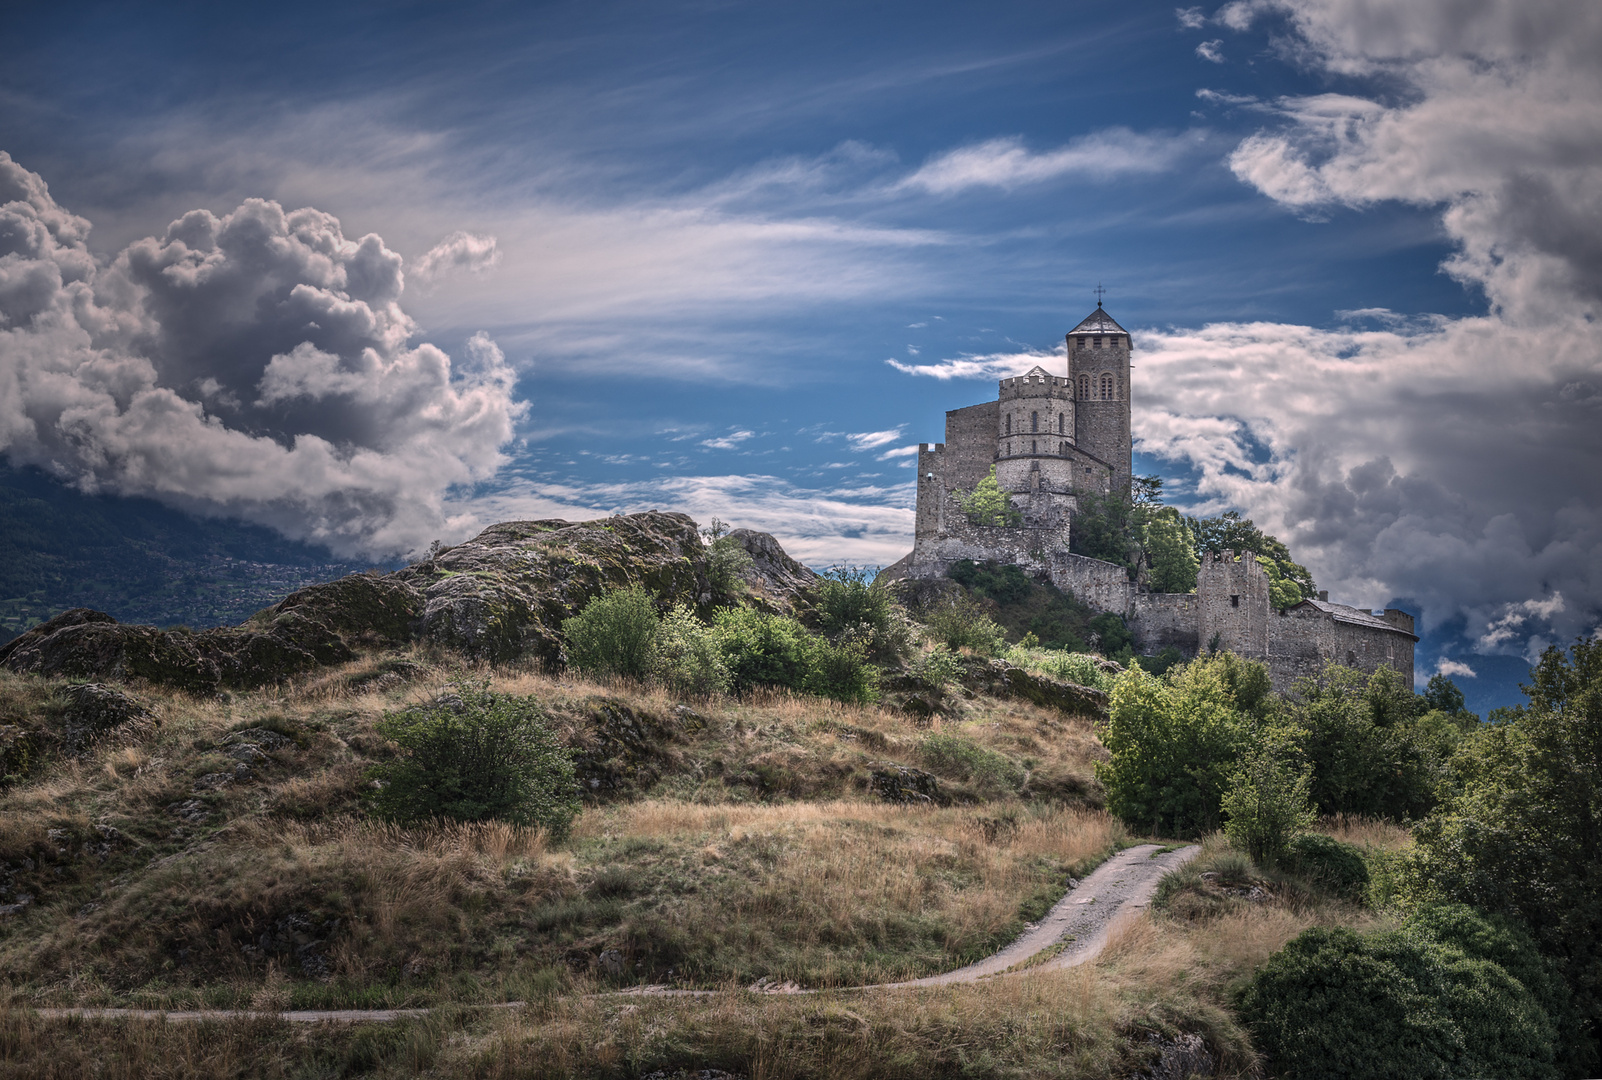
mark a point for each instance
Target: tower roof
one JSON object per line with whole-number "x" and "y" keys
{"x": 1098, "y": 322}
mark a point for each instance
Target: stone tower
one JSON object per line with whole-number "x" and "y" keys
{"x": 1034, "y": 430}
{"x": 1098, "y": 371}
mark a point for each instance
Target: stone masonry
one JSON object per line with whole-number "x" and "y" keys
{"x": 1053, "y": 438}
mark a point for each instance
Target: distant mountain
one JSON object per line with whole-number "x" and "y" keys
{"x": 138, "y": 560}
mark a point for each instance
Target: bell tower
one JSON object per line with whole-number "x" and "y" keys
{"x": 1098, "y": 372}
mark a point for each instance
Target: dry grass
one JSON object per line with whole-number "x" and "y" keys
{"x": 1376, "y": 833}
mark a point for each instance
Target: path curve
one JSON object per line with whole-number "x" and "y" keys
{"x": 1082, "y": 919}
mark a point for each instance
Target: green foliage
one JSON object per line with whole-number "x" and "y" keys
{"x": 688, "y": 658}
{"x": 1519, "y": 830}
{"x": 1107, "y": 527}
{"x": 847, "y": 604}
{"x": 1398, "y": 1004}
{"x": 1174, "y": 744}
{"x": 1266, "y": 804}
{"x": 615, "y": 634}
{"x": 995, "y": 773}
{"x": 476, "y": 756}
{"x": 840, "y": 670}
{"x": 1109, "y": 635}
{"x": 761, "y": 649}
{"x": 939, "y": 665}
{"x": 1079, "y": 668}
{"x": 1171, "y": 552}
{"x": 726, "y": 562}
{"x": 1441, "y": 694}
{"x": 1165, "y": 661}
{"x": 959, "y": 622}
{"x": 1339, "y": 868}
{"x": 1026, "y": 606}
{"x": 1283, "y": 592}
{"x": 987, "y": 504}
{"x": 1360, "y": 739}
{"x": 1231, "y": 532}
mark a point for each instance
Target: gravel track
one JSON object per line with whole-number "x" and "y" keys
{"x": 1080, "y": 921}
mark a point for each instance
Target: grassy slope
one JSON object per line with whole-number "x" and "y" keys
{"x": 740, "y": 844}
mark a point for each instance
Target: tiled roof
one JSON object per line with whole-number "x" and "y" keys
{"x": 1356, "y": 616}
{"x": 1098, "y": 322}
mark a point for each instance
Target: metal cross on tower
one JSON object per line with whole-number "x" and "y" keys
{"x": 1100, "y": 292}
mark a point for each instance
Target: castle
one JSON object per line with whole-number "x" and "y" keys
{"x": 1052, "y": 438}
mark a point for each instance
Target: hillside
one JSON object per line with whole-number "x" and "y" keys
{"x": 137, "y": 560}
{"x": 198, "y": 829}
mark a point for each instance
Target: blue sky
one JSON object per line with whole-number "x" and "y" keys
{"x": 737, "y": 259}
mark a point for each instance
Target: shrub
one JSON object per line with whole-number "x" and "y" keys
{"x": 1003, "y": 583}
{"x": 961, "y": 623}
{"x": 615, "y": 634}
{"x": 726, "y": 562}
{"x": 938, "y": 666}
{"x": 847, "y": 603}
{"x": 840, "y": 671}
{"x": 1337, "y": 867}
{"x": 1081, "y": 669}
{"x": 1365, "y": 760}
{"x": 1266, "y": 803}
{"x": 761, "y": 649}
{"x": 967, "y": 760}
{"x": 1398, "y": 1004}
{"x": 475, "y": 756}
{"x": 688, "y": 657}
{"x": 1174, "y": 744}
{"x": 987, "y": 504}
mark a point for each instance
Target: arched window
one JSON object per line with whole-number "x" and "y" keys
{"x": 1034, "y": 421}
{"x": 1106, "y": 386}
{"x": 1084, "y": 388}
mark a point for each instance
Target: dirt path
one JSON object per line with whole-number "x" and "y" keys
{"x": 1080, "y": 921}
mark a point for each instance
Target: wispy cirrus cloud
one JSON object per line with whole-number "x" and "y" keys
{"x": 867, "y": 440}
{"x": 1007, "y": 163}
{"x": 981, "y": 366}
{"x": 728, "y": 442}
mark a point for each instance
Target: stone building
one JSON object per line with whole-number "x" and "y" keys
{"x": 1053, "y": 438}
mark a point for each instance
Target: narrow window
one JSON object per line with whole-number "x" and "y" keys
{"x": 1106, "y": 388}
{"x": 1062, "y": 420}
{"x": 1084, "y": 388}
{"x": 1032, "y": 449}
{"x": 1098, "y": 341}
{"x": 1034, "y": 421}
{"x": 1234, "y": 601}
{"x": 1009, "y": 423}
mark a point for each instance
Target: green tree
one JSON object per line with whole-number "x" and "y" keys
{"x": 688, "y": 658}
{"x": 1171, "y": 552}
{"x": 615, "y": 634}
{"x": 1519, "y": 833}
{"x": 474, "y": 755}
{"x": 987, "y": 504}
{"x": 1366, "y": 755}
{"x": 726, "y": 562}
{"x": 1267, "y": 802}
{"x": 1173, "y": 745}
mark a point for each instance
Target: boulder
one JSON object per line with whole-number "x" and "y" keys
{"x": 773, "y": 576}
{"x": 94, "y": 711}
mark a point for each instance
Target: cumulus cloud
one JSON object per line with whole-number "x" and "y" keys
{"x": 1456, "y": 462}
{"x": 1212, "y": 50}
{"x": 258, "y": 363}
{"x": 1191, "y": 18}
{"x": 1454, "y": 669}
{"x": 1007, "y": 163}
{"x": 458, "y": 252}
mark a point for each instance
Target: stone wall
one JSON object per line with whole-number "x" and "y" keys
{"x": 1305, "y": 638}
{"x": 970, "y": 444}
{"x": 1102, "y": 585}
{"x": 1233, "y": 605}
{"x": 1162, "y": 620}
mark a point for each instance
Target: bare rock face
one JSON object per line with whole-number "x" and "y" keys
{"x": 774, "y": 576}
{"x": 501, "y": 596}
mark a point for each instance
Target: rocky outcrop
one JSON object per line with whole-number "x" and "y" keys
{"x": 500, "y": 596}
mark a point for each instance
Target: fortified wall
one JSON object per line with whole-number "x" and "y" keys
{"x": 1053, "y": 439}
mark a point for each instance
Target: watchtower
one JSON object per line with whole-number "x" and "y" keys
{"x": 1098, "y": 371}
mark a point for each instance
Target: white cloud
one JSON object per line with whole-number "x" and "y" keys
{"x": 1451, "y": 668}
{"x": 980, "y": 366}
{"x": 729, "y": 441}
{"x": 1218, "y": 97}
{"x": 1211, "y": 50}
{"x": 898, "y": 452}
{"x": 257, "y": 363}
{"x": 458, "y": 252}
{"x": 867, "y": 440}
{"x": 1191, "y": 18}
{"x": 1006, "y": 163}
